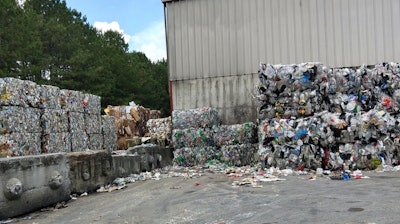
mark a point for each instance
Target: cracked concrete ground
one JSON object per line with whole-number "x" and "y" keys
{"x": 211, "y": 198}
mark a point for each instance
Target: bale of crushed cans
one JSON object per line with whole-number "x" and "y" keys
{"x": 195, "y": 118}
{"x": 109, "y": 133}
{"x": 239, "y": 154}
{"x": 195, "y": 156}
{"x": 16, "y": 92}
{"x": 38, "y": 119}
{"x": 54, "y": 142}
{"x": 313, "y": 116}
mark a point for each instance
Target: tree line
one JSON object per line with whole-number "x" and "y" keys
{"x": 46, "y": 42}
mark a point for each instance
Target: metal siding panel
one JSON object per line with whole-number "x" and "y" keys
{"x": 305, "y": 21}
{"x": 178, "y": 42}
{"x": 329, "y": 24}
{"x": 395, "y": 28}
{"x": 205, "y": 41}
{"x": 298, "y": 31}
{"x": 261, "y": 31}
{"x": 225, "y": 39}
{"x": 291, "y": 32}
{"x": 185, "y": 40}
{"x": 191, "y": 43}
{"x": 314, "y": 31}
{"x": 233, "y": 37}
{"x": 219, "y": 39}
{"x": 387, "y": 31}
{"x": 212, "y": 24}
{"x": 337, "y": 34}
{"x": 346, "y": 33}
{"x": 276, "y": 39}
{"x": 247, "y": 37}
{"x": 240, "y": 34}
{"x": 170, "y": 34}
{"x": 255, "y": 34}
{"x": 198, "y": 33}
{"x": 354, "y": 35}
{"x": 283, "y": 31}
{"x": 362, "y": 30}
{"x": 321, "y": 32}
{"x": 380, "y": 36}
{"x": 370, "y": 29}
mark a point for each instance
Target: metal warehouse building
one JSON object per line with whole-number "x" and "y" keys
{"x": 215, "y": 46}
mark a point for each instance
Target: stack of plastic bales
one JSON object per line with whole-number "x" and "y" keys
{"x": 311, "y": 115}
{"x": 19, "y": 118}
{"x": 109, "y": 133}
{"x": 198, "y": 136}
{"x": 54, "y": 121}
{"x": 192, "y": 135}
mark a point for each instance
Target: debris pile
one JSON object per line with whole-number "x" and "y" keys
{"x": 313, "y": 116}
{"x": 198, "y": 136}
{"x": 132, "y": 123}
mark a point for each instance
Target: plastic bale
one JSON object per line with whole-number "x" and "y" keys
{"x": 240, "y": 154}
{"x": 194, "y": 156}
{"x": 95, "y": 141}
{"x": 16, "y": 92}
{"x": 20, "y": 119}
{"x": 79, "y": 141}
{"x": 50, "y": 97}
{"x": 195, "y": 118}
{"x": 55, "y": 142}
{"x": 72, "y": 100}
{"x": 92, "y": 104}
{"x": 54, "y": 121}
{"x": 235, "y": 134}
{"x": 92, "y": 123}
{"x": 192, "y": 137}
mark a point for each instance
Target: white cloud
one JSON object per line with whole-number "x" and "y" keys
{"x": 113, "y": 26}
{"x": 151, "y": 42}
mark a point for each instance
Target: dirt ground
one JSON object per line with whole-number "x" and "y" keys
{"x": 215, "y": 198}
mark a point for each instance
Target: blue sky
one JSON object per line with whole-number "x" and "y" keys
{"x": 140, "y": 21}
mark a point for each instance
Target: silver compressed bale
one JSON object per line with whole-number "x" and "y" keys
{"x": 55, "y": 142}
{"x": 92, "y": 123}
{"x": 91, "y": 104}
{"x": 20, "y": 119}
{"x": 17, "y": 92}
{"x": 79, "y": 141}
{"x": 72, "y": 100}
{"x": 195, "y": 118}
{"x": 108, "y": 127}
{"x": 95, "y": 141}
{"x": 76, "y": 122}
{"x": 20, "y": 144}
{"x": 54, "y": 121}
{"x": 50, "y": 97}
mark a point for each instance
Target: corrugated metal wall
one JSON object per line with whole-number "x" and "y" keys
{"x": 220, "y": 38}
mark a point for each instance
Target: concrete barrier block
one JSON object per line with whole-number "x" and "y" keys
{"x": 89, "y": 170}
{"x": 124, "y": 165}
{"x": 152, "y": 156}
{"x": 30, "y": 183}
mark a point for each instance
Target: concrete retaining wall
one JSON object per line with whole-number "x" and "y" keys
{"x": 32, "y": 182}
